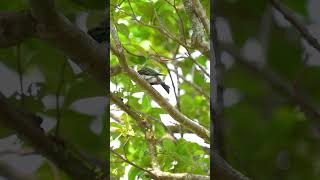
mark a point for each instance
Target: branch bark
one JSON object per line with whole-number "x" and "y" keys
{"x": 289, "y": 15}
{"x": 201, "y": 13}
{"x": 276, "y": 82}
{"x": 218, "y": 89}
{"x": 67, "y": 159}
{"x": 194, "y": 86}
{"x": 198, "y": 39}
{"x": 16, "y": 27}
{"x": 144, "y": 125}
{"x": 147, "y": 129}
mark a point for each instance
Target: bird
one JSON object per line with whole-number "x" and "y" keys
{"x": 152, "y": 77}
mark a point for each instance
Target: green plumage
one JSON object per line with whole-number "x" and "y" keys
{"x": 149, "y": 72}
{"x": 153, "y": 78}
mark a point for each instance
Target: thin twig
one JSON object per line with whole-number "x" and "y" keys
{"x": 159, "y": 28}
{"x": 197, "y": 88}
{"x": 277, "y": 82}
{"x": 60, "y": 85}
{"x": 20, "y": 72}
{"x": 133, "y": 164}
{"x": 201, "y": 67}
{"x": 181, "y": 24}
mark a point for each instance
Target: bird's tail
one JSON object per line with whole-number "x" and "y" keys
{"x": 165, "y": 87}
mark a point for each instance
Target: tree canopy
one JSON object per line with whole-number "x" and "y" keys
{"x": 160, "y": 35}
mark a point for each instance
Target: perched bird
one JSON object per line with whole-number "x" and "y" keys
{"x": 152, "y": 77}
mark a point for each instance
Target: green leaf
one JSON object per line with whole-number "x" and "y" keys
{"x": 138, "y": 60}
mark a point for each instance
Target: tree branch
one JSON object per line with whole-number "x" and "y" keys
{"x": 133, "y": 164}
{"x": 198, "y": 35}
{"x": 56, "y": 29}
{"x": 290, "y": 16}
{"x": 194, "y": 86}
{"x": 176, "y": 176}
{"x": 144, "y": 125}
{"x": 276, "y": 82}
{"x": 201, "y": 13}
{"x": 223, "y": 171}
{"x": 70, "y": 161}
{"x": 16, "y": 27}
{"x": 147, "y": 129}
{"x": 115, "y": 70}
{"x": 218, "y": 89}
{"x": 188, "y": 123}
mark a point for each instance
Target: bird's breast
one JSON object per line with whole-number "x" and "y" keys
{"x": 150, "y": 79}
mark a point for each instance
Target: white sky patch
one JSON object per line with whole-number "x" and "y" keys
{"x": 126, "y": 172}
{"x": 11, "y": 79}
{"x": 227, "y": 60}
{"x": 115, "y": 144}
{"x": 182, "y": 51}
{"x": 115, "y": 110}
{"x": 314, "y": 55}
{"x": 145, "y": 44}
{"x": 208, "y": 70}
{"x": 170, "y": 66}
{"x": 192, "y": 138}
{"x": 179, "y": 70}
{"x": 208, "y": 66}
{"x": 49, "y": 101}
{"x": 171, "y": 97}
{"x": 189, "y": 77}
{"x": 138, "y": 94}
{"x": 138, "y": 18}
{"x": 195, "y": 54}
{"x": 280, "y": 20}
{"x": 48, "y": 122}
{"x": 313, "y": 10}
{"x": 231, "y": 96}
{"x": 81, "y": 20}
{"x": 19, "y": 163}
{"x": 154, "y": 104}
{"x": 173, "y": 164}
{"x": 96, "y": 126}
{"x": 253, "y": 51}
{"x": 182, "y": 92}
{"x": 224, "y": 30}
{"x": 92, "y": 106}
{"x": 114, "y": 87}
{"x": 167, "y": 120}
{"x": 75, "y": 68}
{"x": 123, "y": 21}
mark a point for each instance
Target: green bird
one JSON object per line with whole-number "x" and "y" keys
{"x": 152, "y": 77}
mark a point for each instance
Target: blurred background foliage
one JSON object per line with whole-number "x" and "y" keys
{"x": 266, "y": 136}
{"x": 146, "y": 46}
{"x": 42, "y": 72}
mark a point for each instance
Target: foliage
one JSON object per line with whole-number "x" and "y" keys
{"x": 145, "y": 45}
{"x": 267, "y": 135}
{"x": 47, "y": 61}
